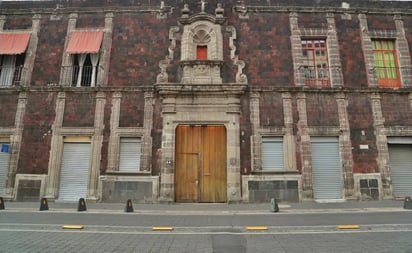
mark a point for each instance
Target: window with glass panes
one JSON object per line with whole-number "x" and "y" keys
{"x": 385, "y": 63}
{"x": 315, "y": 62}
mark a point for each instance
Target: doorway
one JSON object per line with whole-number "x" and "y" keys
{"x": 200, "y": 164}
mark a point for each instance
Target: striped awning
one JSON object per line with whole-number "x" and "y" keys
{"x": 13, "y": 43}
{"x": 85, "y": 42}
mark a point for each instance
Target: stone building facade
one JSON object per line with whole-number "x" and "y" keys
{"x": 195, "y": 101}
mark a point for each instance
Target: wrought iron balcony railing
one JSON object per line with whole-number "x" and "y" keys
{"x": 10, "y": 76}
{"x": 316, "y": 76}
{"x": 80, "y": 76}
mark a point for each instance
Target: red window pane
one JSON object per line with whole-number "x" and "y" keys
{"x": 201, "y": 53}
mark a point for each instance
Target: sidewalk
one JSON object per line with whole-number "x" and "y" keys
{"x": 216, "y": 208}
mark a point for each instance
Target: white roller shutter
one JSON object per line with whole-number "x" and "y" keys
{"x": 400, "y": 157}
{"x": 129, "y": 154}
{"x": 326, "y": 168}
{"x": 74, "y": 174}
{"x": 4, "y": 167}
{"x": 272, "y": 153}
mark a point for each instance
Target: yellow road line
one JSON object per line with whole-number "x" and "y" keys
{"x": 162, "y": 228}
{"x": 73, "y": 227}
{"x": 349, "y": 227}
{"x": 257, "y": 228}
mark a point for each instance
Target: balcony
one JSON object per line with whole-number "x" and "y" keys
{"x": 10, "y": 76}
{"x": 316, "y": 76}
{"x": 80, "y": 76}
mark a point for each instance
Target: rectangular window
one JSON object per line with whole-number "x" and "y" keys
{"x": 201, "y": 53}
{"x": 129, "y": 160}
{"x": 11, "y": 67}
{"x": 85, "y": 69}
{"x": 315, "y": 62}
{"x": 386, "y": 63}
{"x": 272, "y": 153}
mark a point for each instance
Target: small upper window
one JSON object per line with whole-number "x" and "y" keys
{"x": 315, "y": 62}
{"x": 12, "y": 54}
{"x": 201, "y": 53}
{"x": 84, "y": 48}
{"x": 386, "y": 63}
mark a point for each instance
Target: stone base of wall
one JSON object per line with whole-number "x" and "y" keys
{"x": 368, "y": 186}
{"x": 29, "y": 187}
{"x": 262, "y": 188}
{"x": 140, "y": 189}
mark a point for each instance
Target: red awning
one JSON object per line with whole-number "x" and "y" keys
{"x": 84, "y": 42}
{"x": 14, "y": 43}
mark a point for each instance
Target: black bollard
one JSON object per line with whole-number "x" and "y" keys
{"x": 82, "y": 205}
{"x": 408, "y": 203}
{"x": 129, "y": 206}
{"x": 274, "y": 205}
{"x": 1, "y": 203}
{"x": 44, "y": 206}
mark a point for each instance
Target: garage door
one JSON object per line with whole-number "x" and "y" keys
{"x": 326, "y": 169}
{"x": 400, "y": 156}
{"x": 4, "y": 166}
{"x": 74, "y": 175}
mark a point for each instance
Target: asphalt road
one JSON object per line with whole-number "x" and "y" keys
{"x": 218, "y": 233}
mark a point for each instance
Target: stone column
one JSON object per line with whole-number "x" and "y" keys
{"x": 335, "y": 68}
{"x": 255, "y": 138}
{"x": 97, "y": 142}
{"x": 56, "y": 149}
{"x": 382, "y": 145}
{"x": 31, "y": 51}
{"x": 103, "y": 72}
{"x": 167, "y": 169}
{"x": 305, "y": 148}
{"x": 367, "y": 51}
{"x": 65, "y": 76}
{"x": 296, "y": 43}
{"x": 146, "y": 154}
{"x": 233, "y": 150}
{"x": 289, "y": 140}
{"x": 345, "y": 145}
{"x": 404, "y": 57}
{"x": 15, "y": 141}
{"x": 113, "y": 149}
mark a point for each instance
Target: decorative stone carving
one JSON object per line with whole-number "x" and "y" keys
{"x": 163, "y": 77}
{"x": 240, "y": 76}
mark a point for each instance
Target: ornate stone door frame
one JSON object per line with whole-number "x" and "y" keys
{"x": 217, "y": 105}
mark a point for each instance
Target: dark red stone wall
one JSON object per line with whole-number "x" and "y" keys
{"x": 271, "y": 109}
{"x": 396, "y": 109}
{"x": 79, "y": 109}
{"x": 140, "y": 41}
{"x": 94, "y": 20}
{"x": 35, "y": 145}
{"x": 362, "y": 133}
{"x": 322, "y": 110}
{"x": 132, "y": 109}
{"x": 350, "y": 51}
{"x": 312, "y": 20}
{"x": 264, "y": 44}
{"x": 8, "y": 108}
{"x": 381, "y": 22}
{"x": 18, "y": 22}
{"x": 50, "y": 50}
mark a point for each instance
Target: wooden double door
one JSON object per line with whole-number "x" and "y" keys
{"x": 200, "y": 164}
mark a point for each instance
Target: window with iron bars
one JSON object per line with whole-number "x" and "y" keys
{"x": 386, "y": 63}
{"x": 315, "y": 62}
{"x": 83, "y": 72}
{"x": 11, "y": 68}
